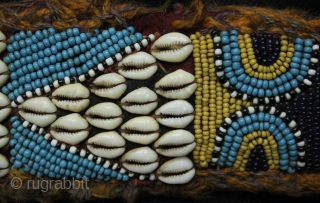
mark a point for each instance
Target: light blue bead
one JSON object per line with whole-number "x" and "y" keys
{"x": 298, "y": 41}
{"x": 236, "y": 65}
{"x": 239, "y": 85}
{"x": 138, "y": 36}
{"x": 306, "y": 55}
{"x": 225, "y": 39}
{"x": 107, "y": 172}
{"x": 41, "y": 45}
{"x": 127, "y": 40}
{"x": 307, "y": 49}
{"x": 228, "y": 138}
{"x": 117, "y": 47}
{"x": 236, "y": 58}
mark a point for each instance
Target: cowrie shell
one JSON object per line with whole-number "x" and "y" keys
{"x": 140, "y": 101}
{"x": 176, "y": 85}
{"x": 175, "y": 114}
{"x": 141, "y": 130}
{"x": 4, "y": 139}
{"x": 172, "y": 47}
{"x": 3, "y": 44}
{"x": 38, "y": 110}
{"x": 141, "y": 160}
{"x": 4, "y": 166}
{"x": 4, "y": 73}
{"x": 111, "y": 85}
{"x": 5, "y": 108}
{"x": 175, "y": 143}
{"x": 138, "y": 66}
{"x": 107, "y": 145}
{"x": 71, "y": 129}
{"x": 105, "y": 115}
{"x": 176, "y": 171}
{"x": 72, "y": 97}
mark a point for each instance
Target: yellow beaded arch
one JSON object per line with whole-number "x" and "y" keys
{"x": 251, "y": 66}
{"x": 250, "y": 141}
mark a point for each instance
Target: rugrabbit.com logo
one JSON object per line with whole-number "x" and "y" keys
{"x": 46, "y": 185}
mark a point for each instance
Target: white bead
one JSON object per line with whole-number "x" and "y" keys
{"x": 234, "y": 94}
{"x": 266, "y": 100}
{"x": 292, "y": 124}
{"x": 63, "y": 146}
{"x": 25, "y": 124}
{"x": 144, "y": 42}
{"x": 152, "y": 176}
{"x": 118, "y": 57}
{"x": 239, "y": 114}
{"x": 128, "y": 50}
{"x": 255, "y": 100}
{"x": 67, "y": 80}
{"x": 109, "y": 61}
{"x": 82, "y": 78}
{"x": 214, "y": 160}
{"x": 282, "y": 114}
{"x": 47, "y": 89}
{"x": 137, "y": 46}
{"x": 218, "y": 138}
{"x": 261, "y": 107}
{"x": 222, "y": 130}
{"x": 217, "y": 149}
{"x": 301, "y": 153}
{"x": 298, "y": 90}
{"x": 107, "y": 164}
{"x": 301, "y": 164}
{"x": 41, "y": 131}
{"x": 151, "y": 37}
{"x": 227, "y": 84}
{"x": 228, "y": 120}
{"x": 218, "y": 52}
{"x": 115, "y": 166}
{"x": 20, "y": 99}
{"x": 131, "y": 174}
{"x": 100, "y": 67}
{"x": 311, "y": 72}
{"x": 251, "y": 110}
{"x": 56, "y": 83}
{"x": 272, "y": 110}
{"x": 314, "y": 60}
{"x": 217, "y": 39}
{"x": 91, "y": 73}
{"x": 288, "y": 96}
{"x": 13, "y": 104}
{"x": 122, "y": 170}
{"x": 47, "y": 136}
{"x": 38, "y": 91}
{"x": 244, "y": 97}
{"x": 300, "y": 144}
{"x": 142, "y": 177}
{"x": 297, "y": 134}
{"x": 98, "y": 160}
{"x": 73, "y": 150}
{"x": 82, "y": 152}
{"x": 218, "y": 63}
{"x": 90, "y": 157}
{"x": 307, "y": 82}
{"x": 33, "y": 128}
{"x": 54, "y": 142}
{"x": 29, "y": 94}
{"x": 277, "y": 99}
{"x": 220, "y": 73}
{"x": 315, "y": 47}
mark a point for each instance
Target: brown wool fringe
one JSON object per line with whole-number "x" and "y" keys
{"x": 89, "y": 15}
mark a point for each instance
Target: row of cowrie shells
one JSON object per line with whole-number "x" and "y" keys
{"x": 4, "y": 71}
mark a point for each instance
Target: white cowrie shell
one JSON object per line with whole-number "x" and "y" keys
{"x": 176, "y": 85}
{"x": 5, "y": 108}
{"x": 4, "y": 139}
{"x": 71, "y": 129}
{"x": 72, "y": 97}
{"x": 140, "y": 101}
{"x": 107, "y": 145}
{"x": 175, "y": 114}
{"x": 141, "y": 130}
{"x": 172, "y": 47}
{"x": 175, "y": 143}
{"x": 138, "y": 66}
{"x": 4, "y": 166}
{"x": 141, "y": 160}
{"x": 176, "y": 171}
{"x": 39, "y": 110}
{"x": 3, "y": 44}
{"x": 111, "y": 85}
{"x": 4, "y": 73}
{"x": 105, "y": 115}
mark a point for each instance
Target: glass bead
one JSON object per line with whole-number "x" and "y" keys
{"x": 131, "y": 30}
{"x": 71, "y": 41}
